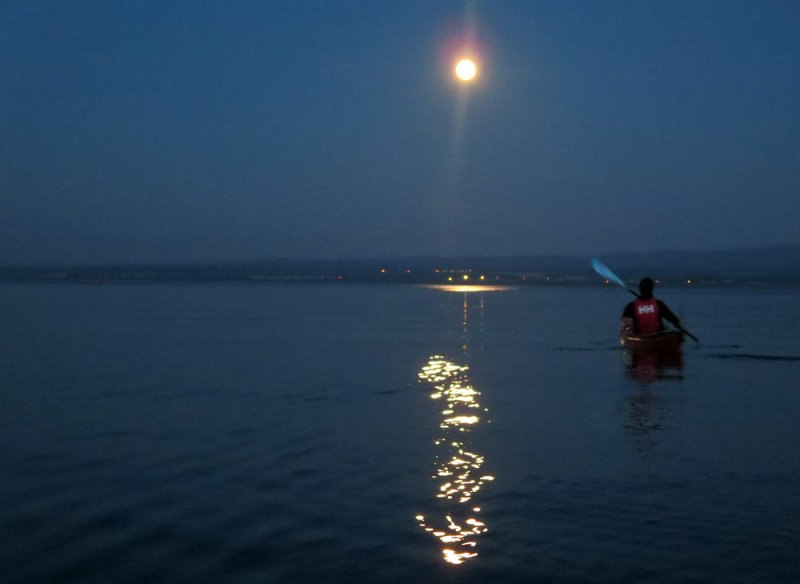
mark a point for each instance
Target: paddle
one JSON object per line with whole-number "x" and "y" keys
{"x": 612, "y": 277}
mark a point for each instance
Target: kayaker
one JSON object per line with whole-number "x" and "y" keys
{"x": 646, "y": 314}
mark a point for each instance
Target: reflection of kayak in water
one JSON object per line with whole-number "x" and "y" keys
{"x": 668, "y": 341}
{"x": 654, "y": 356}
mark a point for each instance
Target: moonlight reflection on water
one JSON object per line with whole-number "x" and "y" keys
{"x": 458, "y": 467}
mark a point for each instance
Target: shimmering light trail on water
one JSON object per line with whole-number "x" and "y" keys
{"x": 468, "y": 288}
{"x": 456, "y": 524}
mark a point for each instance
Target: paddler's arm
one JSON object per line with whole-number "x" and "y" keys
{"x": 629, "y": 311}
{"x": 668, "y": 315}
{"x": 627, "y": 321}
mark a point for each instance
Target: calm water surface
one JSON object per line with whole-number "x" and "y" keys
{"x": 347, "y": 433}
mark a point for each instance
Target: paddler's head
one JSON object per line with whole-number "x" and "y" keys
{"x": 646, "y": 288}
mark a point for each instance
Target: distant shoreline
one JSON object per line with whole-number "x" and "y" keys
{"x": 473, "y": 272}
{"x": 768, "y": 266}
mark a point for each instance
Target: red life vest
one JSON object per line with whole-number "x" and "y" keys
{"x": 646, "y": 312}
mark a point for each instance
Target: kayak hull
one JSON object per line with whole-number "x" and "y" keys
{"x": 658, "y": 342}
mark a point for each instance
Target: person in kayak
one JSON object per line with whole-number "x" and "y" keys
{"x": 647, "y": 314}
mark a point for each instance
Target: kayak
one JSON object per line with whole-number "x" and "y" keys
{"x": 668, "y": 341}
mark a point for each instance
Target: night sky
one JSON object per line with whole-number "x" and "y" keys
{"x": 192, "y": 131}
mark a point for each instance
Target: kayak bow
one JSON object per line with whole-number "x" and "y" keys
{"x": 668, "y": 341}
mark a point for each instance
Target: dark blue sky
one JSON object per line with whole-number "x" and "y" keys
{"x": 199, "y": 130}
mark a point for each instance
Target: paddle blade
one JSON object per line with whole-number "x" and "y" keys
{"x": 606, "y": 273}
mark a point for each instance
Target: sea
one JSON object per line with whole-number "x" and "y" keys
{"x": 344, "y": 433}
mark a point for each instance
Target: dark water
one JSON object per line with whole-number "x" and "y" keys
{"x": 246, "y": 433}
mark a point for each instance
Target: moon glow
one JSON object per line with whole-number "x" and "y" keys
{"x": 466, "y": 70}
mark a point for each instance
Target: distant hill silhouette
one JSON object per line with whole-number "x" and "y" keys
{"x": 776, "y": 265}
{"x": 773, "y": 263}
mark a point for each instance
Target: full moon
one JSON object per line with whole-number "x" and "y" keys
{"x": 466, "y": 70}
